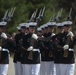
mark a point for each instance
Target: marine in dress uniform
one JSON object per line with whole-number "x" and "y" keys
{"x": 68, "y": 64}
{"x": 6, "y": 45}
{"x": 15, "y": 53}
{"x": 58, "y": 53}
{"x": 47, "y": 59}
{"x": 18, "y": 52}
{"x": 4, "y": 61}
{"x": 31, "y": 58}
{"x": 65, "y": 58}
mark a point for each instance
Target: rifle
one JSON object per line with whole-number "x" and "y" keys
{"x": 69, "y": 38}
{"x": 58, "y": 17}
{"x": 50, "y": 52}
{"x": 38, "y": 19}
{"x": 30, "y": 56}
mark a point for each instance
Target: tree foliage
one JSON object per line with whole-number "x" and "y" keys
{"x": 25, "y": 8}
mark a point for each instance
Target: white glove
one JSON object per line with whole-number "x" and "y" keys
{"x": 70, "y": 34}
{"x": 0, "y": 48}
{"x": 52, "y": 34}
{"x": 34, "y": 36}
{"x": 65, "y": 47}
{"x": 3, "y": 35}
{"x": 30, "y": 48}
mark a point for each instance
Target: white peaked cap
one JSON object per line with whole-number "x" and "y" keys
{"x": 27, "y": 26}
{"x": 42, "y": 26}
{"x": 45, "y": 25}
{"x": 60, "y": 24}
{"x": 3, "y": 23}
{"x": 18, "y": 27}
{"x": 51, "y": 23}
{"x": 39, "y": 29}
{"x": 67, "y": 23}
{"x": 23, "y": 24}
{"x": 32, "y": 24}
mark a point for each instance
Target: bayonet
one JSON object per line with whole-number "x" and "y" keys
{"x": 31, "y": 17}
{"x": 53, "y": 18}
{"x": 69, "y": 16}
{"x": 57, "y": 15}
{"x": 60, "y": 12}
{"x": 13, "y": 11}
{"x": 70, "y": 12}
{"x": 40, "y": 13}
{"x": 35, "y": 13}
{"x": 5, "y": 16}
{"x": 9, "y": 16}
{"x": 39, "y": 16}
{"x": 43, "y": 11}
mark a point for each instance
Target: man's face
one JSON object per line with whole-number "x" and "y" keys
{"x": 31, "y": 29}
{"x": 23, "y": 30}
{"x": 42, "y": 31}
{"x": 27, "y": 30}
{"x": 3, "y": 29}
{"x": 51, "y": 29}
{"x": 67, "y": 28}
{"x": 60, "y": 29}
{"x": 39, "y": 33}
{"x": 46, "y": 30}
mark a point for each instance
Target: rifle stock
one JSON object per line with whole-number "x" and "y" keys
{"x": 30, "y": 56}
{"x": 66, "y": 51}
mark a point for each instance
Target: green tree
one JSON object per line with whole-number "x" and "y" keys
{"x": 25, "y": 8}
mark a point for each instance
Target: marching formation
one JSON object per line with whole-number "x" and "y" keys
{"x": 39, "y": 50}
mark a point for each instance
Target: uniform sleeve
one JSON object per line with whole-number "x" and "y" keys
{"x": 11, "y": 45}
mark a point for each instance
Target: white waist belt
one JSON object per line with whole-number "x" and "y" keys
{"x": 71, "y": 49}
{"x": 5, "y": 50}
{"x": 36, "y": 50}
